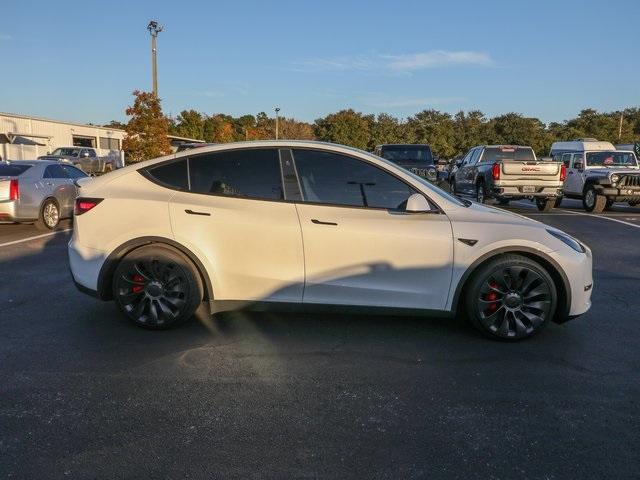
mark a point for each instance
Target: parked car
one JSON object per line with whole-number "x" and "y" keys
{"x": 598, "y": 173}
{"x": 188, "y": 146}
{"x": 269, "y": 223}
{"x": 39, "y": 191}
{"x": 416, "y": 158}
{"x": 508, "y": 172}
{"x": 84, "y": 158}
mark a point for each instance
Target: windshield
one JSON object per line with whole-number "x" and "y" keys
{"x": 497, "y": 154}
{"x": 66, "y": 152}
{"x": 612, "y": 159}
{"x": 13, "y": 170}
{"x": 408, "y": 153}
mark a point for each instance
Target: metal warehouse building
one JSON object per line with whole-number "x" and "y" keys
{"x": 25, "y": 138}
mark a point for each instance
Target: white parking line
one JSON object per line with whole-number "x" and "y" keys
{"x": 28, "y": 239}
{"x": 635, "y": 225}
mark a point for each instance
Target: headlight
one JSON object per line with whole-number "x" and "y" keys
{"x": 568, "y": 240}
{"x": 615, "y": 178}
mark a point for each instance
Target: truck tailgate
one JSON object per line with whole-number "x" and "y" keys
{"x": 4, "y": 188}
{"x": 545, "y": 171}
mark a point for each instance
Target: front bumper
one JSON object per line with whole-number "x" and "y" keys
{"x": 620, "y": 194}
{"x": 578, "y": 269}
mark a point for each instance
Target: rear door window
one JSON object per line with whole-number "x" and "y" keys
{"x": 251, "y": 173}
{"x": 73, "y": 172}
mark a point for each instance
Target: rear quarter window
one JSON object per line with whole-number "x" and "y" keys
{"x": 172, "y": 175}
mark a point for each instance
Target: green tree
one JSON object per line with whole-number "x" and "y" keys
{"x": 346, "y": 127}
{"x": 147, "y": 129}
{"x": 513, "y": 128}
{"x": 116, "y": 124}
{"x": 387, "y": 129}
{"x": 435, "y": 129}
{"x": 190, "y": 124}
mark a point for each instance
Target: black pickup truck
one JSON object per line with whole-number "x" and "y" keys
{"x": 417, "y": 158}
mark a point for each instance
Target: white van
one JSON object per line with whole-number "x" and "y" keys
{"x": 598, "y": 174}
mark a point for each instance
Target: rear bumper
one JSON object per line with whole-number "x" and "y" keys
{"x": 10, "y": 212}
{"x": 517, "y": 191}
{"x": 85, "y": 264}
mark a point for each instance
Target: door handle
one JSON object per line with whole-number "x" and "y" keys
{"x": 191, "y": 212}
{"x": 319, "y": 222}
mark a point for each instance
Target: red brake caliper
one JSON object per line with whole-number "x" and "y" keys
{"x": 137, "y": 288}
{"x": 492, "y": 296}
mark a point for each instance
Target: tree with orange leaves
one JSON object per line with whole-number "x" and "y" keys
{"x": 147, "y": 129}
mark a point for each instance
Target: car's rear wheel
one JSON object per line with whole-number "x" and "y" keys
{"x": 558, "y": 202}
{"x": 592, "y": 202}
{"x": 545, "y": 204}
{"x": 157, "y": 287}
{"x": 503, "y": 201}
{"x": 481, "y": 193}
{"x": 49, "y": 215}
{"x": 510, "y": 298}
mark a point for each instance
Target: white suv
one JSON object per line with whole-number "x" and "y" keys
{"x": 308, "y": 223}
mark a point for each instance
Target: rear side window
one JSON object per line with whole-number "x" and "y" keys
{"x": 173, "y": 175}
{"x": 12, "y": 170}
{"x": 496, "y": 154}
{"x": 252, "y": 173}
{"x": 73, "y": 172}
{"x": 341, "y": 180}
{"x": 54, "y": 171}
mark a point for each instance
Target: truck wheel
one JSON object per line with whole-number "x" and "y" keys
{"x": 592, "y": 202}
{"x": 609, "y": 204}
{"x": 481, "y": 195}
{"x": 633, "y": 204}
{"x": 452, "y": 185}
{"x": 557, "y": 202}
{"x": 503, "y": 201}
{"x": 545, "y": 204}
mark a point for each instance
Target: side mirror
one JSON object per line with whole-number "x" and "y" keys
{"x": 416, "y": 203}
{"x": 579, "y": 165}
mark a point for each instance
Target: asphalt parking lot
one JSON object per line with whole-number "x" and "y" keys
{"x": 85, "y": 395}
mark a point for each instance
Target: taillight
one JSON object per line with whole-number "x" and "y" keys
{"x": 495, "y": 171}
{"x": 14, "y": 189}
{"x": 563, "y": 172}
{"x": 83, "y": 205}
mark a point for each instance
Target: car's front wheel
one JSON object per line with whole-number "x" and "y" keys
{"x": 157, "y": 287}
{"x": 510, "y": 298}
{"x": 592, "y": 202}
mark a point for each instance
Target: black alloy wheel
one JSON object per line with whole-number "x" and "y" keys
{"x": 511, "y": 298}
{"x": 157, "y": 287}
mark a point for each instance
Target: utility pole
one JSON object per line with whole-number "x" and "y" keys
{"x": 154, "y": 29}
{"x": 620, "y": 126}
{"x": 277, "y": 120}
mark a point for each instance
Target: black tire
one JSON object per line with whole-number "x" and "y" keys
{"x": 609, "y": 204}
{"x": 558, "y": 202}
{"x": 452, "y": 185}
{"x": 503, "y": 201}
{"x": 510, "y": 298}
{"x": 49, "y": 218}
{"x": 633, "y": 204}
{"x": 545, "y": 204}
{"x": 592, "y": 202}
{"x": 157, "y": 287}
{"x": 481, "y": 193}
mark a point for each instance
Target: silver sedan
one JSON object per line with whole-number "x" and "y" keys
{"x": 37, "y": 191}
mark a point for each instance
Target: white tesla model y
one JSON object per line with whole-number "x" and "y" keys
{"x": 308, "y": 223}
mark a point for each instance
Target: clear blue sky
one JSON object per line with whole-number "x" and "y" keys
{"x": 80, "y": 60}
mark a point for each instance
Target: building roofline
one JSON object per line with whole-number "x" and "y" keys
{"x": 43, "y": 119}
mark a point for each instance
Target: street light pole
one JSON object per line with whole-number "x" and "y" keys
{"x": 277, "y": 120}
{"x": 154, "y": 29}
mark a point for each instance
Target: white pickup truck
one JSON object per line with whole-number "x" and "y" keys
{"x": 508, "y": 172}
